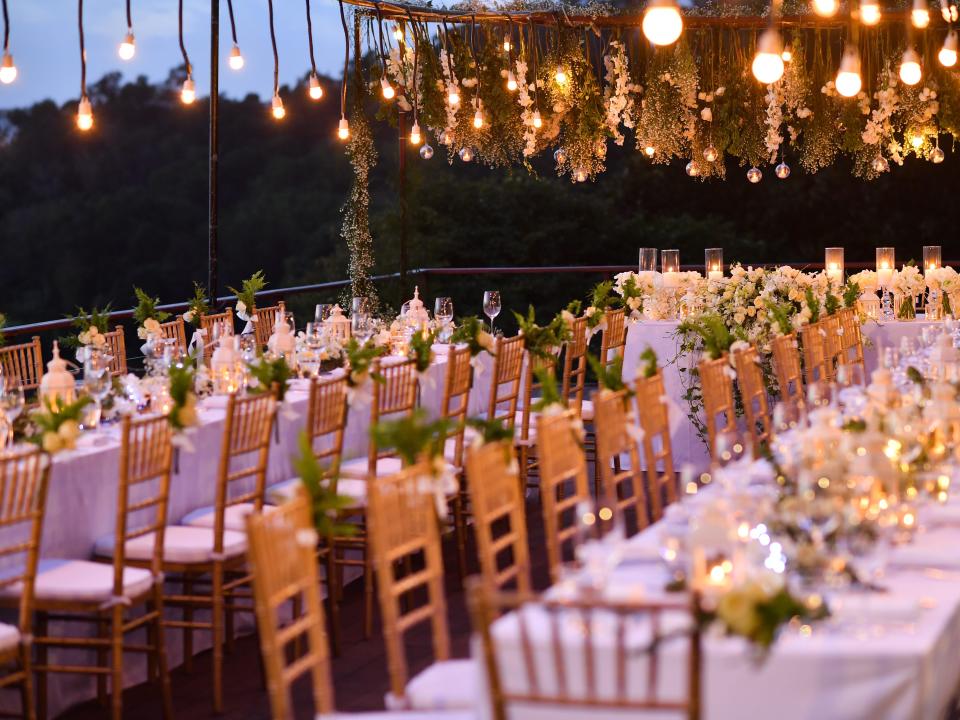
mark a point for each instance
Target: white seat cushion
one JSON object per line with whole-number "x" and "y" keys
{"x": 9, "y": 637}
{"x": 181, "y": 544}
{"x": 357, "y": 467}
{"x": 586, "y": 410}
{"x": 531, "y": 431}
{"x": 402, "y": 715}
{"x": 84, "y": 581}
{"x": 450, "y": 449}
{"x": 283, "y": 491}
{"x": 446, "y": 685}
{"x": 234, "y": 516}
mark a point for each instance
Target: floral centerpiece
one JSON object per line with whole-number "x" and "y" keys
{"x": 57, "y": 426}
{"x": 943, "y": 283}
{"x": 148, "y": 318}
{"x": 183, "y": 411}
{"x": 469, "y": 331}
{"x": 90, "y": 328}
{"x": 907, "y": 284}
{"x": 197, "y": 306}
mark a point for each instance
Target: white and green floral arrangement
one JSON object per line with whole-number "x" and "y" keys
{"x": 89, "y": 330}
{"x": 197, "y": 306}
{"x": 148, "y": 317}
{"x": 908, "y": 283}
{"x": 246, "y": 307}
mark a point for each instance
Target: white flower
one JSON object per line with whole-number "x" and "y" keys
{"x": 188, "y": 316}
{"x": 241, "y": 307}
{"x": 152, "y": 326}
{"x": 706, "y": 114}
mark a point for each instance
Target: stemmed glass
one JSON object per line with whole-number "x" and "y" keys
{"x": 11, "y": 401}
{"x": 491, "y": 305}
{"x": 321, "y": 312}
{"x": 361, "y": 326}
{"x": 97, "y": 382}
{"x": 443, "y": 314}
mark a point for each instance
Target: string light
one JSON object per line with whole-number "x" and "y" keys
{"x": 662, "y": 23}
{"x": 869, "y": 12}
{"x": 511, "y": 82}
{"x": 754, "y": 175}
{"x": 277, "y": 109}
{"x": 649, "y": 150}
{"x": 782, "y": 170}
{"x": 398, "y": 33}
{"x": 314, "y": 89}
{"x": 478, "y": 101}
{"x": 937, "y": 156}
{"x": 507, "y": 45}
{"x": 343, "y": 130}
{"x": 768, "y": 62}
{"x": 453, "y": 98}
{"x": 880, "y": 164}
{"x": 537, "y": 120}
{"x": 236, "y": 58}
{"x": 8, "y": 71}
{"x": 848, "y": 80}
{"x": 948, "y": 53}
{"x": 910, "y": 72}
{"x": 386, "y": 89}
{"x": 128, "y": 47}
{"x": 188, "y": 91}
{"x": 84, "y": 110}
{"x": 560, "y": 76}
{"x": 786, "y": 55}
{"x": 466, "y": 154}
{"x": 426, "y": 152}
{"x": 710, "y": 153}
{"x": 415, "y": 137}
{"x": 826, "y": 8}
{"x": 560, "y": 156}
{"x": 478, "y": 118}
{"x": 276, "y": 104}
{"x": 920, "y": 14}
{"x": 693, "y": 170}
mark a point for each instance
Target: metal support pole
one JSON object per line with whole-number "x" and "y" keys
{"x": 402, "y": 188}
{"x": 213, "y": 239}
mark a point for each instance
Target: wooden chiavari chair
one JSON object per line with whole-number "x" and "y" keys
{"x": 753, "y": 393}
{"x": 23, "y": 496}
{"x": 175, "y": 330}
{"x": 595, "y": 672}
{"x": 266, "y": 319}
{"x": 613, "y": 337}
{"x": 575, "y": 370}
{"x": 851, "y": 340}
{"x": 505, "y": 381}
{"x": 832, "y": 345}
{"x": 814, "y": 353}
{"x": 525, "y": 429}
{"x": 458, "y": 382}
{"x": 207, "y": 551}
{"x": 654, "y": 415}
{"x": 786, "y": 365}
{"x": 117, "y": 351}
{"x": 24, "y": 361}
{"x": 563, "y": 483}
{"x": 622, "y": 487}
{"x": 499, "y": 517}
{"x": 403, "y": 526}
{"x": 215, "y": 325}
{"x": 717, "y": 387}
{"x": 110, "y": 594}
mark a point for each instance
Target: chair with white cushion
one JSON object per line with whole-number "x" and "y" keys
{"x": 214, "y": 326}
{"x": 403, "y": 526}
{"x": 284, "y": 570}
{"x": 525, "y": 433}
{"x": 112, "y": 596}
{"x": 574, "y": 373}
{"x": 623, "y": 487}
{"x": 117, "y": 351}
{"x": 457, "y": 384}
{"x": 266, "y": 320}
{"x": 654, "y": 415}
{"x": 23, "y": 495}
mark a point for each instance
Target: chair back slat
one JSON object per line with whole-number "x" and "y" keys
{"x": 832, "y": 344}
{"x": 394, "y": 396}
{"x": 24, "y": 362}
{"x": 499, "y": 517}
{"x": 117, "y": 350}
{"x": 282, "y": 555}
{"x": 613, "y": 337}
{"x": 265, "y": 320}
{"x": 718, "y": 405}
{"x": 403, "y": 524}
{"x": 814, "y": 353}
{"x": 326, "y": 422}
{"x": 786, "y": 365}
{"x": 505, "y": 380}
{"x": 175, "y": 330}
{"x": 851, "y": 339}
{"x": 563, "y": 483}
{"x": 531, "y": 391}
{"x": 624, "y": 487}
{"x": 753, "y": 394}
{"x": 215, "y": 324}
{"x": 458, "y": 381}
{"x": 575, "y": 366}
{"x": 654, "y": 416}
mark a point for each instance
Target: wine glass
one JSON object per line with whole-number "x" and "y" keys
{"x": 288, "y": 319}
{"x": 361, "y": 327}
{"x": 443, "y": 314}
{"x": 96, "y": 375}
{"x": 321, "y": 312}
{"x": 491, "y": 305}
{"x": 359, "y": 305}
{"x": 11, "y": 401}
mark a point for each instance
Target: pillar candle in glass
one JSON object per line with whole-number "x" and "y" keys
{"x": 714, "y": 263}
{"x": 670, "y": 268}
{"x": 833, "y": 264}
{"x": 885, "y": 264}
{"x": 648, "y": 263}
{"x": 931, "y": 257}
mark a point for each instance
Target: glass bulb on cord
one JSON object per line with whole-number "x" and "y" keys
{"x": 848, "y": 80}
{"x": 880, "y": 164}
{"x": 782, "y": 170}
{"x": 948, "y": 53}
{"x": 426, "y": 152}
{"x": 693, "y": 170}
{"x": 507, "y": 45}
{"x": 786, "y": 55}
{"x": 560, "y": 76}
{"x": 649, "y": 150}
{"x": 910, "y": 72}
{"x": 128, "y": 48}
{"x": 445, "y": 137}
{"x": 8, "y": 71}
{"x": 415, "y": 134}
{"x": 343, "y": 131}
{"x": 188, "y": 93}
{"x": 315, "y": 89}
{"x": 236, "y": 59}
{"x": 662, "y": 23}
{"x": 580, "y": 175}
{"x": 386, "y": 89}
{"x": 710, "y": 153}
{"x": 276, "y": 107}
{"x": 511, "y": 82}
{"x": 84, "y": 115}
{"x": 478, "y": 119}
{"x": 466, "y": 154}
{"x": 916, "y": 141}
{"x": 754, "y": 175}
{"x": 768, "y": 63}
{"x": 920, "y": 14}
{"x": 537, "y": 120}
{"x": 398, "y": 33}
{"x": 453, "y": 98}
{"x": 825, "y": 8}
{"x": 869, "y": 12}
{"x": 936, "y": 157}
{"x": 560, "y": 156}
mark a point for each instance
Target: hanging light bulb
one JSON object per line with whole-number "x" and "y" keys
{"x": 236, "y": 59}
{"x": 910, "y": 72}
{"x": 537, "y": 120}
{"x": 825, "y": 8}
{"x": 415, "y": 133}
{"x": 580, "y": 175}
{"x": 936, "y": 157}
{"x": 560, "y": 156}
{"x": 693, "y": 170}
{"x": 466, "y": 154}
{"x": 948, "y": 53}
{"x": 511, "y": 82}
{"x": 445, "y": 137}
{"x": 649, "y": 150}
{"x": 560, "y": 76}
{"x": 786, "y": 55}
{"x": 662, "y": 23}
{"x": 507, "y": 45}
{"x": 767, "y": 63}
{"x": 453, "y": 98}
{"x": 782, "y": 170}
{"x": 848, "y": 80}
{"x": 84, "y": 115}
{"x": 8, "y": 71}
{"x": 398, "y": 33}
{"x": 710, "y": 153}
{"x": 276, "y": 107}
{"x": 386, "y": 89}
{"x": 188, "y": 92}
{"x": 869, "y": 12}
{"x": 478, "y": 119}
{"x": 754, "y": 175}
{"x": 426, "y": 152}
{"x": 916, "y": 141}
{"x": 880, "y": 164}
{"x": 920, "y": 14}
{"x": 128, "y": 48}
{"x": 343, "y": 131}
{"x": 315, "y": 89}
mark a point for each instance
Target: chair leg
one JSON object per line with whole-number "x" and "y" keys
{"x": 367, "y": 592}
{"x": 102, "y": 634}
{"x": 333, "y": 607}
{"x": 26, "y": 687}
{"x": 151, "y": 655}
{"x": 116, "y": 659}
{"x": 188, "y": 631}
{"x": 41, "y": 625}
{"x": 228, "y": 632}
{"x": 459, "y": 531}
{"x": 217, "y": 620}
{"x": 161, "y": 653}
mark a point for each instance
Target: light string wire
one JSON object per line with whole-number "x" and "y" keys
{"x": 416, "y": 58}
{"x": 83, "y": 51}
{"x": 536, "y": 66}
{"x": 510, "y": 36}
{"x": 233, "y": 23}
{"x": 129, "y": 16}
{"x": 380, "y": 44}
{"x": 276, "y": 55}
{"x": 313, "y": 60}
{"x": 183, "y": 48}
{"x": 346, "y": 62}
{"x": 473, "y": 53}
{"x": 6, "y": 27}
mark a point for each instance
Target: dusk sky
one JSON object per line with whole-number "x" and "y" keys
{"x": 45, "y": 48}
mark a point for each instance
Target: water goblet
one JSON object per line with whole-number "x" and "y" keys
{"x": 321, "y": 312}
{"x": 11, "y": 401}
{"x": 491, "y": 306}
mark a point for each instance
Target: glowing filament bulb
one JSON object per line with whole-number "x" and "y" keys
{"x": 343, "y": 131}
{"x": 916, "y": 141}
{"x": 276, "y": 107}
{"x": 561, "y": 77}
{"x": 315, "y": 90}
{"x": 398, "y": 33}
{"x": 649, "y": 150}
{"x": 8, "y": 71}
{"x": 948, "y": 53}
{"x": 507, "y": 45}
{"x": 920, "y": 14}
{"x": 825, "y": 8}
{"x": 848, "y": 80}
{"x": 869, "y": 12}
{"x": 478, "y": 119}
{"x": 453, "y": 98}
{"x": 188, "y": 93}
{"x": 768, "y": 63}
{"x": 386, "y": 89}
{"x": 236, "y": 59}
{"x": 128, "y": 48}
{"x": 537, "y": 120}
{"x": 910, "y": 72}
{"x": 511, "y": 82}
{"x": 662, "y": 23}
{"x": 415, "y": 134}
{"x": 84, "y": 115}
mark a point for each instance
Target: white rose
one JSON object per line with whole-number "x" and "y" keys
{"x": 188, "y": 316}
{"x": 152, "y": 326}
{"x": 241, "y": 307}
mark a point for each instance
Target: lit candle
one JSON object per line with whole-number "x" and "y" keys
{"x": 931, "y": 257}
{"x": 714, "y": 263}
{"x": 833, "y": 262}
{"x": 884, "y": 274}
{"x": 885, "y": 263}
{"x": 670, "y": 268}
